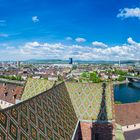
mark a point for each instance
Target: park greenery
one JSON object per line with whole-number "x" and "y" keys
{"x": 92, "y": 77}
{"x": 120, "y": 72}
{"x": 121, "y": 78}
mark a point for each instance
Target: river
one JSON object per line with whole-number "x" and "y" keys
{"x": 127, "y": 93}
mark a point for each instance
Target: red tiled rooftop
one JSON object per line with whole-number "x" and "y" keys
{"x": 8, "y": 91}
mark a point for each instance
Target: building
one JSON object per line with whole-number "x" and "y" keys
{"x": 18, "y": 64}
{"x": 9, "y": 94}
{"x": 68, "y": 111}
{"x": 70, "y": 60}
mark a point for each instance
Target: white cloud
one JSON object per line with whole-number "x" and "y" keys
{"x": 131, "y": 41}
{"x": 35, "y": 19}
{"x": 129, "y": 13}
{"x": 46, "y": 50}
{"x": 99, "y": 44}
{"x": 80, "y": 40}
{"x": 69, "y": 38}
{"x": 4, "y": 35}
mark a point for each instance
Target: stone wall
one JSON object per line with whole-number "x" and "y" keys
{"x": 127, "y": 114}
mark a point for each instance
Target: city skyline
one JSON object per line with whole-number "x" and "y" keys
{"x": 84, "y": 30}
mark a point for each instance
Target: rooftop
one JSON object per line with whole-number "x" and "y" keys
{"x": 87, "y": 98}
{"x": 34, "y": 87}
{"x": 55, "y": 113}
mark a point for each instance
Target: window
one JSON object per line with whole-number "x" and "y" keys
{"x": 4, "y": 84}
{"x": 15, "y": 96}
{"x": 96, "y": 136}
{"x": 6, "y": 93}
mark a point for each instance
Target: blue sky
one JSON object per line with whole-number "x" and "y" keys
{"x": 82, "y": 29}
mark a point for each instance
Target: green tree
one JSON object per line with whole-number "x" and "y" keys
{"x": 60, "y": 78}
{"x": 118, "y": 102}
{"x": 120, "y": 72}
{"x": 121, "y": 78}
{"x": 74, "y": 67}
{"x": 94, "y": 77}
{"x": 85, "y": 75}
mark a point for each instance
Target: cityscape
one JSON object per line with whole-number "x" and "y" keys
{"x": 69, "y": 70}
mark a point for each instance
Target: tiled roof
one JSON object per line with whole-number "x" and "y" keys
{"x": 48, "y": 116}
{"x": 8, "y": 92}
{"x": 127, "y": 114}
{"x": 53, "y": 114}
{"x": 88, "y": 101}
{"x": 34, "y": 87}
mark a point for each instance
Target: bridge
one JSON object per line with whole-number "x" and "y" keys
{"x": 132, "y": 78}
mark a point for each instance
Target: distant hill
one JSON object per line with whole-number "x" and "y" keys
{"x": 47, "y": 61}
{"x": 58, "y": 61}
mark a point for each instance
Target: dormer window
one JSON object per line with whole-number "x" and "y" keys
{"x": 15, "y": 96}
{"x": 4, "y": 84}
{"x": 6, "y": 93}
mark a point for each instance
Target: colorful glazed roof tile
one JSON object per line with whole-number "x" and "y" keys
{"x": 34, "y": 87}
{"x": 48, "y": 116}
{"x": 88, "y": 102}
{"x": 55, "y": 113}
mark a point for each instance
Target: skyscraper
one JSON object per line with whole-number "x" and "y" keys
{"x": 70, "y": 60}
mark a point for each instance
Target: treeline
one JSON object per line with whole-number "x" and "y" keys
{"x": 121, "y": 74}
{"x": 94, "y": 77}
{"x": 118, "y": 72}
{"x": 18, "y": 77}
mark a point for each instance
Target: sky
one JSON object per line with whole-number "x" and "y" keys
{"x": 60, "y": 29}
